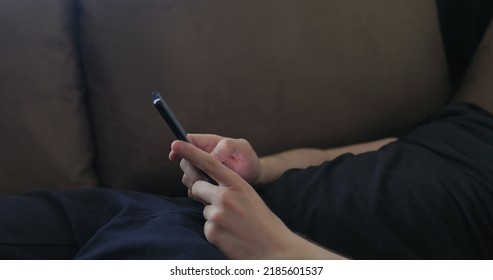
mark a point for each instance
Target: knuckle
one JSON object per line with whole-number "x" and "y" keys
{"x": 243, "y": 141}
{"x": 216, "y": 217}
{"x": 227, "y": 142}
{"x": 187, "y": 180}
{"x": 211, "y": 232}
{"x": 184, "y": 179}
{"x": 223, "y": 198}
{"x": 195, "y": 186}
{"x": 183, "y": 164}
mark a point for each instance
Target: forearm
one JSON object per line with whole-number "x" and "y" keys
{"x": 302, "y": 249}
{"x": 275, "y": 165}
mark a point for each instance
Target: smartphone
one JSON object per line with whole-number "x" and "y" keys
{"x": 174, "y": 124}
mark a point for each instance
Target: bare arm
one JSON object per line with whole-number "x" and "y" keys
{"x": 274, "y": 166}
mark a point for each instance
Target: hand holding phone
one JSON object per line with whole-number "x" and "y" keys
{"x": 174, "y": 124}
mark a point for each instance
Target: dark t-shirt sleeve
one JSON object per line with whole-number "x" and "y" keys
{"x": 427, "y": 196}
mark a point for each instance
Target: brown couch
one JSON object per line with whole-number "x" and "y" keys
{"x": 76, "y": 78}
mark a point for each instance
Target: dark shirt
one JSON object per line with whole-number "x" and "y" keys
{"x": 463, "y": 24}
{"x": 428, "y": 195}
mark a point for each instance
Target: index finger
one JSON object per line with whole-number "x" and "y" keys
{"x": 206, "y": 142}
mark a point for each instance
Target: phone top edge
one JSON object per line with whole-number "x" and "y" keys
{"x": 155, "y": 96}
{"x": 170, "y": 118}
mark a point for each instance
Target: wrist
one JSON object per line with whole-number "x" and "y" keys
{"x": 263, "y": 172}
{"x": 269, "y": 169}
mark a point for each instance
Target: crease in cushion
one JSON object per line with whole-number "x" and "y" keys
{"x": 45, "y": 140}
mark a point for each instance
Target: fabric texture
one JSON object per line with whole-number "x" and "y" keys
{"x": 427, "y": 196}
{"x": 101, "y": 224}
{"x": 45, "y": 139}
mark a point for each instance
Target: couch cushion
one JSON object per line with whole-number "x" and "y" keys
{"x": 478, "y": 83}
{"x": 280, "y": 73}
{"x": 45, "y": 139}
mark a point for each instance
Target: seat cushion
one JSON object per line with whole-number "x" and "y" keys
{"x": 45, "y": 140}
{"x": 280, "y": 73}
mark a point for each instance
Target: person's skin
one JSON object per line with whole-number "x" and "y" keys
{"x": 238, "y": 222}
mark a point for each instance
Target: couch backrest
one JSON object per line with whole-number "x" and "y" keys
{"x": 280, "y": 73}
{"x": 478, "y": 84}
{"x": 44, "y": 134}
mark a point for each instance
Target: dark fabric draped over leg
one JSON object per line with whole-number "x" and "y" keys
{"x": 101, "y": 224}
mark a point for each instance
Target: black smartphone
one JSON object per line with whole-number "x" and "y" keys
{"x": 169, "y": 117}
{"x": 174, "y": 124}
